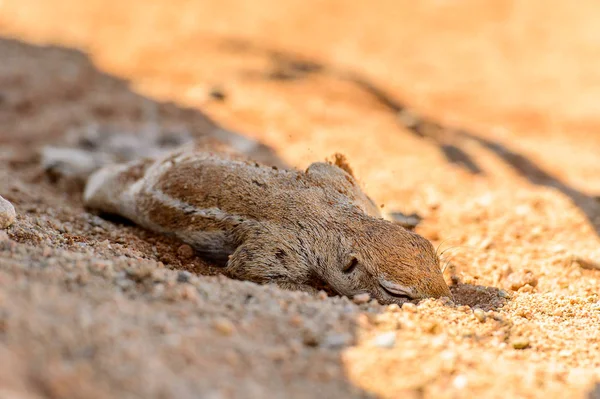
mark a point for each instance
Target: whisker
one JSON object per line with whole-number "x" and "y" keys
{"x": 447, "y": 263}
{"x": 458, "y": 246}
{"x": 450, "y": 248}
{"x": 440, "y": 245}
{"x": 452, "y": 256}
{"x": 445, "y": 267}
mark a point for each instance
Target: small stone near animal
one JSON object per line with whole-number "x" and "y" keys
{"x": 520, "y": 343}
{"x": 479, "y": 315}
{"x": 361, "y": 298}
{"x": 7, "y": 213}
{"x": 224, "y": 326}
{"x": 185, "y": 251}
{"x": 519, "y": 279}
{"x": 385, "y": 340}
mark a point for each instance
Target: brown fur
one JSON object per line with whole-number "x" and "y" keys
{"x": 272, "y": 225}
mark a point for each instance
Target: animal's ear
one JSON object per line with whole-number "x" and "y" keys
{"x": 341, "y": 162}
{"x": 337, "y": 167}
{"x": 350, "y": 264}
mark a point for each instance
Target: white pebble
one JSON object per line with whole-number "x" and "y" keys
{"x": 565, "y": 353}
{"x": 224, "y": 326}
{"x": 7, "y": 213}
{"x": 361, "y": 298}
{"x": 335, "y": 341}
{"x": 385, "y": 340}
{"x": 460, "y": 382}
{"x": 479, "y": 315}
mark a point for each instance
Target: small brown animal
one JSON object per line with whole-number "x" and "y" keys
{"x": 294, "y": 228}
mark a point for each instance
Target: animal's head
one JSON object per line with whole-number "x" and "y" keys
{"x": 388, "y": 262}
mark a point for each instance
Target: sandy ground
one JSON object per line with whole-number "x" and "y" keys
{"x": 479, "y": 116}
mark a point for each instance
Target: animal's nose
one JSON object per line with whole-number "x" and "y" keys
{"x": 438, "y": 287}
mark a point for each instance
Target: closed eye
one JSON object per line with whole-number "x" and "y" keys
{"x": 396, "y": 290}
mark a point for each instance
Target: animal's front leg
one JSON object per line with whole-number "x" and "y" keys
{"x": 261, "y": 260}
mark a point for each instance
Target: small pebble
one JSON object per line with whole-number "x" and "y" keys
{"x": 322, "y": 295}
{"x": 7, "y": 213}
{"x": 446, "y": 301}
{"x": 409, "y": 307}
{"x": 361, "y": 298}
{"x": 393, "y": 308}
{"x": 487, "y": 243}
{"x": 503, "y": 294}
{"x": 479, "y": 315}
{"x": 520, "y": 279}
{"x": 224, "y": 326}
{"x": 526, "y": 288}
{"x": 310, "y": 338}
{"x": 189, "y": 292}
{"x": 385, "y": 340}
{"x": 460, "y": 382}
{"x": 183, "y": 277}
{"x": 525, "y": 314}
{"x": 506, "y": 271}
{"x": 432, "y": 328}
{"x": 296, "y": 321}
{"x": 565, "y": 353}
{"x": 520, "y": 343}
{"x": 185, "y": 251}
{"x": 336, "y": 341}
{"x": 96, "y": 221}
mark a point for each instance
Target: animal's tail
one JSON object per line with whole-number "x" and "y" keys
{"x": 112, "y": 189}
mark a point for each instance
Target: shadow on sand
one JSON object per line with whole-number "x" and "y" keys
{"x": 286, "y": 67}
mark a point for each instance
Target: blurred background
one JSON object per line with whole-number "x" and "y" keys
{"x": 327, "y": 72}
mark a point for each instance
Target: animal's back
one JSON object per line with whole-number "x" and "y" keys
{"x": 195, "y": 191}
{"x": 241, "y": 187}
{"x": 235, "y": 186}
